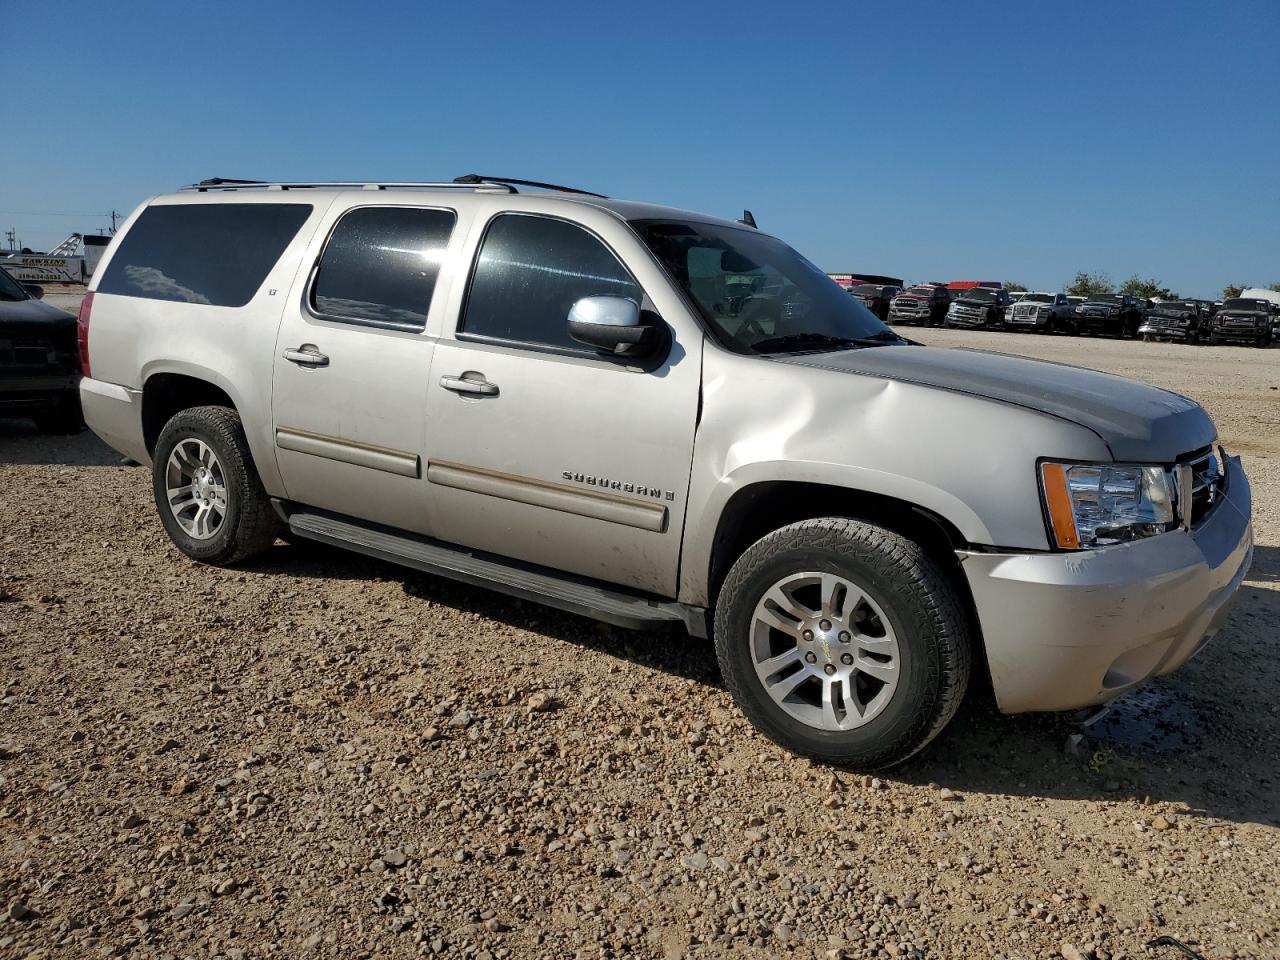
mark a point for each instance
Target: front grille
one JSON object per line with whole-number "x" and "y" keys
{"x": 1206, "y": 482}
{"x": 1025, "y": 311}
{"x": 1172, "y": 323}
{"x": 28, "y": 354}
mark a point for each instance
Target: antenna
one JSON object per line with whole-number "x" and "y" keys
{"x": 747, "y": 219}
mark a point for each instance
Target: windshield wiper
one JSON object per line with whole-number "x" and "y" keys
{"x": 804, "y": 341}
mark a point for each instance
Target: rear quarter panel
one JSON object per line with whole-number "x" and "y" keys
{"x": 131, "y": 339}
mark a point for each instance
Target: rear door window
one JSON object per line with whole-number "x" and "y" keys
{"x": 380, "y": 266}
{"x": 207, "y": 253}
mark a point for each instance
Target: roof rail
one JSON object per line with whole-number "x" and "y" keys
{"x": 475, "y": 178}
{"x": 223, "y": 183}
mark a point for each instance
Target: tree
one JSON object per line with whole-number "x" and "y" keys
{"x": 1275, "y": 286}
{"x": 1087, "y": 284}
{"x": 1014, "y": 287}
{"x": 1232, "y": 290}
{"x": 1148, "y": 289}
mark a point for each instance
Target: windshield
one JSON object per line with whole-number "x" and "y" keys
{"x": 921, "y": 291}
{"x": 10, "y": 289}
{"x": 977, "y": 293}
{"x": 1251, "y": 305}
{"x": 1037, "y": 298}
{"x": 758, "y": 294}
{"x": 868, "y": 290}
{"x": 1104, "y": 298}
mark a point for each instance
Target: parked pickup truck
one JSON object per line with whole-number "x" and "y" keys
{"x": 924, "y": 304}
{"x": 1241, "y": 319}
{"x": 656, "y": 417}
{"x": 1114, "y": 314}
{"x": 1043, "y": 313}
{"x": 876, "y": 297}
{"x": 978, "y": 307}
{"x": 39, "y": 365}
{"x": 1185, "y": 320}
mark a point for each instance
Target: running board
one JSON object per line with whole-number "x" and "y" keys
{"x": 535, "y": 584}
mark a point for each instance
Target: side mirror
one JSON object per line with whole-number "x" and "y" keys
{"x": 613, "y": 325}
{"x": 34, "y": 290}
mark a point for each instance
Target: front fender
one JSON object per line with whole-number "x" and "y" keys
{"x": 967, "y": 459}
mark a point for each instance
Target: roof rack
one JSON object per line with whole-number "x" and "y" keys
{"x": 475, "y": 178}
{"x": 224, "y": 183}
{"x": 470, "y": 181}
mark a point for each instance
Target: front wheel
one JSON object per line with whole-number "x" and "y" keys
{"x": 843, "y": 641}
{"x": 207, "y": 489}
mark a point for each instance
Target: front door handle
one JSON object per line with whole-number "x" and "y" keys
{"x": 469, "y": 384}
{"x": 306, "y": 355}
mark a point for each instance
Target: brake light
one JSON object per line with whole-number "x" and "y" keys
{"x": 82, "y": 332}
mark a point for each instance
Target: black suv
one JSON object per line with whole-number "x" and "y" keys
{"x": 876, "y": 297}
{"x": 1243, "y": 319}
{"x": 1115, "y": 314}
{"x": 39, "y": 362}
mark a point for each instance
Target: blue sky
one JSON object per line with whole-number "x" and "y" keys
{"x": 1020, "y": 141}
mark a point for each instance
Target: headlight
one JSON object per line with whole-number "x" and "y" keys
{"x": 1095, "y": 505}
{"x": 1079, "y": 308}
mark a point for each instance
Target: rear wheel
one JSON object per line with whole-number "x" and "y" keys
{"x": 207, "y": 489}
{"x": 843, "y": 641}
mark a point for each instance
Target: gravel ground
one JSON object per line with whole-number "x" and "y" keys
{"x": 320, "y": 755}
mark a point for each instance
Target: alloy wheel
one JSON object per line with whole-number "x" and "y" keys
{"x": 824, "y": 651}
{"x": 196, "y": 488}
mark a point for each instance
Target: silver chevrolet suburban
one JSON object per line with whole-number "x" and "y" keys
{"x": 650, "y": 416}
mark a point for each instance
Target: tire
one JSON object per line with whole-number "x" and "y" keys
{"x": 248, "y": 524}
{"x": 908, "y": 598}
{"x": 63, "y": 416}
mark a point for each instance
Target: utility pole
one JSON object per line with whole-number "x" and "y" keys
{"x": 113, "y": 223}
{"x": 12, "y": 236}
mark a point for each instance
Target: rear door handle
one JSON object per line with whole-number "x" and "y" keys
{"x": 306, "y": 355}
{"x": 469, "y": 385}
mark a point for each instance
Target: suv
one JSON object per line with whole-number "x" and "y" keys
{"x": 1111, "y": 313}
{"x": 978, "y": 307}
{"x": 1243, "y": 319}
{"x": 657, "y": 417}
{"x": 39, "y": 368}
{"x": 1043, "y": 313}
{"x": 924, "y": 304}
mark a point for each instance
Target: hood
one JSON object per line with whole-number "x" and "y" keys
{"x": 969, "y": 302}
{"x": 32, "y": 316}
{"x": 1163, "y": 311}
{"x": 1137, "y": 422}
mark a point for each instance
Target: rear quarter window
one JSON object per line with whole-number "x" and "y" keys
{"x": 209, "y": 253}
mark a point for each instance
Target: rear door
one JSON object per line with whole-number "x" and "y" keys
{"x": 349, "y": 398}
{"x": 542, "y": 450}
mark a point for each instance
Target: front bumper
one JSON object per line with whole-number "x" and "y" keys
{"x": 1241, "y": 333}
{"x": 1070, "y": 630}
{"x": 1164, "y": 332}
{"x": 24, "y": 389}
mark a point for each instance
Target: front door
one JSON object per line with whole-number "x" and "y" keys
{"x": 349, "y": 396}
{"x": 542, "y": 450}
